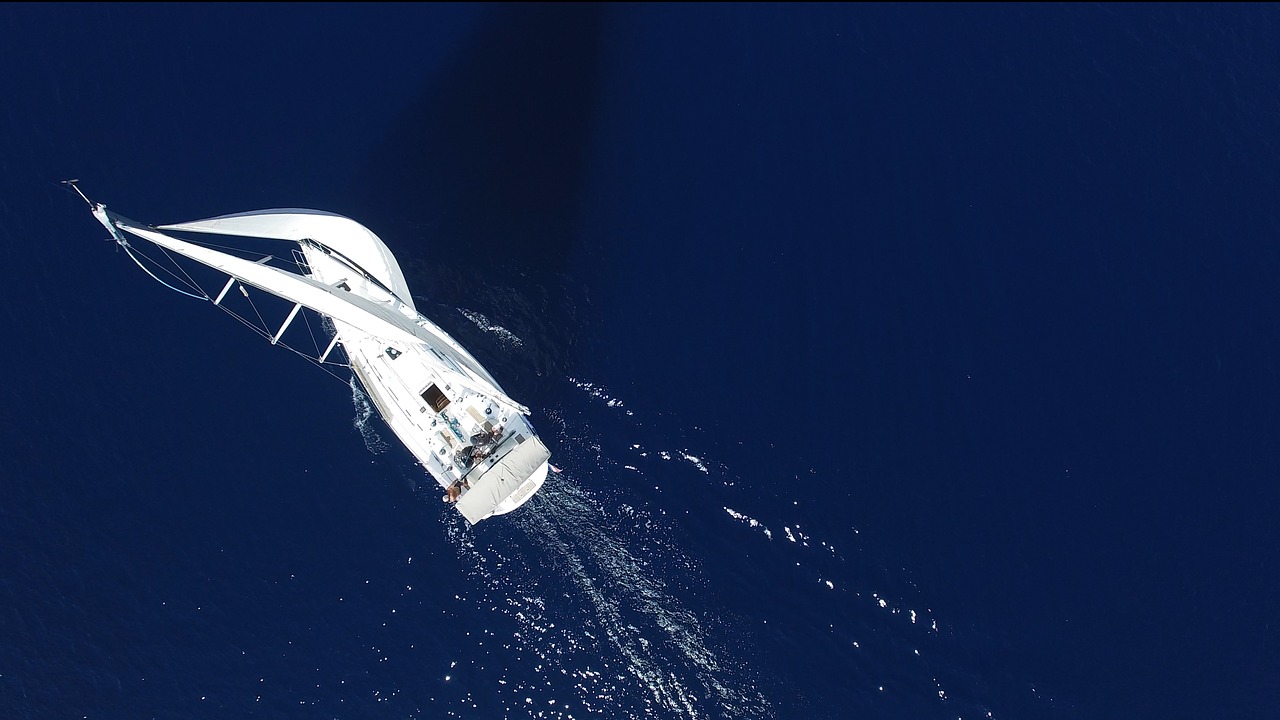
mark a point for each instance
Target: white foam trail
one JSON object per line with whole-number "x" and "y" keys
{"x": 697, "y": 461}
{"x": 364, "y": 413}
{"x": 609, "y": 564}
{"x": 598, "y": 392}
{"x": 569, "y": 527}
{"x": 482, "y": 322}
{"x": 613, "y": 570}
{"x": 750, "y": 521}
{"x": 589, "y": 585}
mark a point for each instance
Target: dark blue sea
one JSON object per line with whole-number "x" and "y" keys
{"x": 902, "y": 361}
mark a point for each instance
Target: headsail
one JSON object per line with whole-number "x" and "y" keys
{"x": 377, "y": 319}
{"x": 345, "y": 235}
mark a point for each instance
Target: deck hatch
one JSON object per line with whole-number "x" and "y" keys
{"x": 435, "y": 398}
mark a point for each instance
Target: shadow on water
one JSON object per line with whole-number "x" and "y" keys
{"x": 489, "y": 163}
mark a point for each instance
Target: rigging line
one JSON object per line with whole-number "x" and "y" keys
{"x": 189, "y": 282}
{"x": 253, "y": 305}
{"x": 243, "y": 321}
{"x": 128, "y": 251}
{"x": 267, "y": 336}
{"x": 318, "y": 364}
{"x": 314, "y": 342}
{"x": 295, "y": 351}
{"x": 299, "y": 260}
{"x": 184, "y": 272}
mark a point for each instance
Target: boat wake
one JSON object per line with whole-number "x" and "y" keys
{"x": 596, "y": 589}
{"x": 365, "y": 412}
{"x": 608, "y": 615}
{"x": 482, "y": 322}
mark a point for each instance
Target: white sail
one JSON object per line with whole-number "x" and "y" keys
{"x": 345, "y": 235}
{"x": 377, "y": 319}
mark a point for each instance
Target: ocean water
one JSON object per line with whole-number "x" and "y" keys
{"x": 901, "y": 361}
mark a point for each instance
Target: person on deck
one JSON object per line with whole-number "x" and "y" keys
{"x": 453, "y": 493}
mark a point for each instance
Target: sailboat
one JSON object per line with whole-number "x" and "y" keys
{"x": 442, "y": 404}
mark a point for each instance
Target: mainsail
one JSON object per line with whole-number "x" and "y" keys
{"x": 377, "y": 319}
{"x": 342, "y": 234}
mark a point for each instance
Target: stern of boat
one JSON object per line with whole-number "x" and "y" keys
{"x": 526, "y": 490}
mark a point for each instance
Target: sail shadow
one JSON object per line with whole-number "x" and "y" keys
{"x": 487, "y": 167}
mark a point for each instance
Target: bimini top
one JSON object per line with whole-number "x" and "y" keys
{"x": 339, "y": 233}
